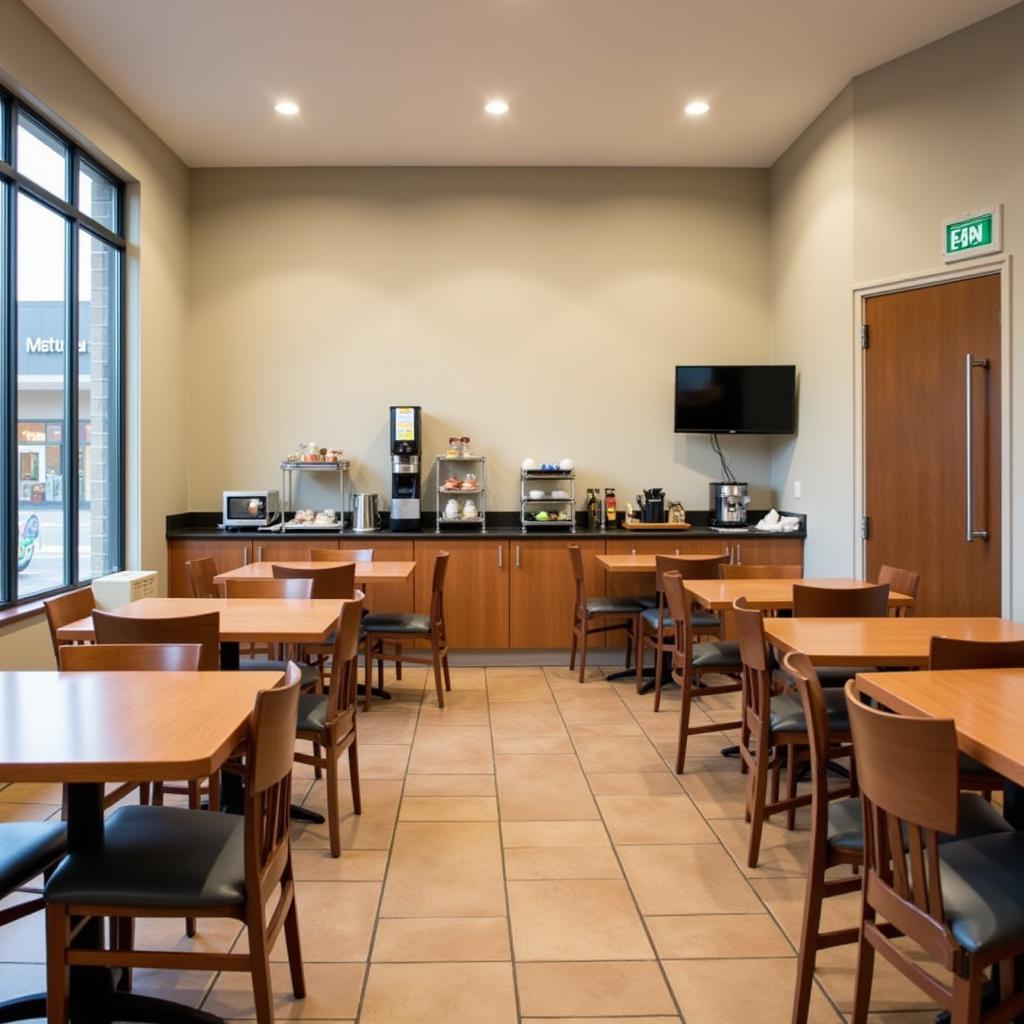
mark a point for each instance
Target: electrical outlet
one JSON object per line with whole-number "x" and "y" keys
{"x": 796, "y": 488}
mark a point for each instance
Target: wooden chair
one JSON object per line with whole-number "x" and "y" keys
{"x": 837, "y": 832}
{"x": 691, "y": 662}
{"x": 70, "y": 607}
{"x": 234, "y": 865}
{"x": 963, "y": 902}
{"x": 336, "y": 555}
{"x": 624, "y": 610}
{"x": 130, "y": 658}
{"x": 384, "y": 630}
{"x": 200, "y": 573}
{"x": 901, "y": 581}
{"x": 728, "y": 571}
{"x": 775, "y": 729}
{"x": 661, "y": 624}
{"x": 329, "y": 721}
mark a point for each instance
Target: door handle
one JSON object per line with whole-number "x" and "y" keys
{"x": 970, "y": 363}
{"x": 501, "y": 556}
{"x": 519, "y": 562}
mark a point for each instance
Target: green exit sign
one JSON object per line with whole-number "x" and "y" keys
{"x": 970, "y": 235}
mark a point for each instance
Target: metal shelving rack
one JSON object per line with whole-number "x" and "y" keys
{"x": 547, "y": 504}
{"x": 288, "y": 488}
{"x": 478, "y": 493}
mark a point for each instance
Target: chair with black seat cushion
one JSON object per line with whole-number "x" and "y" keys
{"x": 901, "y": 581}
{"x": 64, "y": 609}
{"x": 328, "y": 721}
{"x": 656, "y": 628}
{"x": 840, "y": 603}
{"x": 692, "y": 662}
{"x": 609, "y": 615}
{"x": 775, "y": 730}
{"x": 169, "y": 861}
{"x": 961, "y": 902}
{"x": 384, "y": 632}
{"x": 837, "y": 831}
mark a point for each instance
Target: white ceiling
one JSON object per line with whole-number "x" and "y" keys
{"x": 591, "y": 82}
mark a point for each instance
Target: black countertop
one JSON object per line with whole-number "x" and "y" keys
{"x": 205, "y": 525}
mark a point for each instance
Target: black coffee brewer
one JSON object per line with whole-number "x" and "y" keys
{"x": 406, "y": 448}
{"x": 652, "y": 505}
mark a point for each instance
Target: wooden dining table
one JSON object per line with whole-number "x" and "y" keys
{"x": 366, "y": 572}
{"x": 773, "y": 594}
{"x": 87, "y": 729}
{"x": 627, "y": 564}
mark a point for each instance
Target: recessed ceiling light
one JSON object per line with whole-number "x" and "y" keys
{"x": 496, "y": 107}
{"x": 696, "y": 108}
{"x": 287, "y": 107}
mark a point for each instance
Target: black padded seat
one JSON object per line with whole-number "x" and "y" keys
{"x": 846, "y": 822}
{"x": 788, "y": 713}
{"x": 983, "y": 890}
{"x": 700, "y": 621}
{"x": 312, "y": 712}
{"x": 397, "y": 622}
{"x": 712, "y": 653}
{"x": 26, "y": 848}
{"x": 612, "y": 606}
{"x": 158, "y": 857}
{"x": 310, "y": 675}
{"x": 647, "y": 600}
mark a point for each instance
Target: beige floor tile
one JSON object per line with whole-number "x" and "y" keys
{"x": 700, "y": 747}
{"x": 603, "y": 1020}
{"x": 714, "y": 991}
{"x": 559, "y": 796}
{"x": 461, "y": 708}
{"x": 553, "y": 834}
{"x": 576, "y": 919}
{"x": 465, "y": 677}
{"x": 506, "y": 689}
{"x": 513, "y": 673}
{"x": 538, "y": 764}
{"x": 633, "y": 783}
{"x": 899, "y": 1017}
{"x": 449, "y": 785}
{"x": 533, "y": 745}
{"x": 332, "y": 993}
{"x": 445, "y": 869}
{"x": 186, "y": 987}
{"x": 460, "y": 993}
{"x": 561, "y": 862}
{"x": 583, "y": 989}
{"x": 438, "y": 750}
{"x": 687, "y": 880}
{"x": 352, "y": 866}
{"x": 625, "y": 727}
{"x": 608, "y": 712}
{"x": 424, "y": 939}
{"x": 717, "y": 937}
{"x": 213, "y": 934}
{"x": 449, "y": 808}
{"x": 377, "y": 729}
{"x": 370, "y": 830}
{"x": 633, "y": 820}
{"x": 34, "y": 793}
{"x": 378, "y": 762}
{"x": 782, "y": 853}
{"x": 716, "y": 787}
{"x": 519, "y": 718}
{"x": 618, "y": 754}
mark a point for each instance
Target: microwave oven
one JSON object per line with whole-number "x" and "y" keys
{"x": 250, "y": 509}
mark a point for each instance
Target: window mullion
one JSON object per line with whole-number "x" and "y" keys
{"x": 9, "y": 424}
{"x": 70, "y": 454}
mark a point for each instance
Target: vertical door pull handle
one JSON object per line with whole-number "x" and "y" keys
{"x": 970, "y": 364}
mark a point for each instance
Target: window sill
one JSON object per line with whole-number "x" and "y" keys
{"x": 9, "y": 616}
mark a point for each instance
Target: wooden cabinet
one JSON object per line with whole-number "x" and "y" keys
{"x": 476, "y": 589}
{"x": 387, "y": 597}
{"x": 762, "y": 551}
{"x": 542, "y": 590}
{"x": 228, "y": 554}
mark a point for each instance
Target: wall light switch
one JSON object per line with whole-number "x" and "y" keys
{"x": 796, "y": 488}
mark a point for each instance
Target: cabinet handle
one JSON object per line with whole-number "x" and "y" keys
{"x": 519, "y": 563}
{"x": 501, "y": 556}
{"x": 738, "y": 557}
{"x": 634, "y": 551}
{"x": 245, "y": 555}
{"x": 259, "y": 553}
{"x": 677, "y": 551}
{"x": 970, "y": 364}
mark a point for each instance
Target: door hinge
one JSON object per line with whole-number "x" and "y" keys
{"x": 865, "y": 333}
{"x": 865, "y": 527}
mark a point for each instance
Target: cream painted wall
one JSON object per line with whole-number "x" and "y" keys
{"x": 34, "y": 60}
{"x": 539, "y": 311}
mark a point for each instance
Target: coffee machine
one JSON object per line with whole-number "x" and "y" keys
{"x": 729, "y": 503}
{"x": 406, "y": 448}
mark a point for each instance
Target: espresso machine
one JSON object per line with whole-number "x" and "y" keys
{"x": 406, "y": 448}
{"x": 729, "y": 503}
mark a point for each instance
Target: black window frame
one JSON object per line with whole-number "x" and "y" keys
{"x": 12, "y": 107}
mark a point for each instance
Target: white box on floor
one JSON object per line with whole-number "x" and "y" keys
{"x": 121, "y": 588}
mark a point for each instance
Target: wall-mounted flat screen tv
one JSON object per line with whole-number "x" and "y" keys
{"x": 735, "y": 400}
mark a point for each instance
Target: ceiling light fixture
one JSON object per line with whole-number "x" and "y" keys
{"x": 696, "y": 108}
{"x": 288, "y": 108}
{"x": 496, "y": 107}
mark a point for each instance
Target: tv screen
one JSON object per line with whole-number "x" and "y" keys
{"x": 735, "y": 399}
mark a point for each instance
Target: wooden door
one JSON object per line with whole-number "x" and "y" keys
{"x": 228, "y": 554}
{"x": 915, "y": 442}
{"x": 475, "y": 593}
{"x": 542, "y": 591}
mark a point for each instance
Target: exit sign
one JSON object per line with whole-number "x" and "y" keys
{"x": 972, "y": 234}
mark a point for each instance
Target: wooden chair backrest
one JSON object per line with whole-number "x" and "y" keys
{"x": 268, "y": 789}
{"x": 902, "y": 581}
{"x": 947, "y": 653}
{"x": 203, "y": 630}
{"x": 909, "y": 775}
{"x": 437, "y": 589}
{"x": 688, "y": 568}
{"x": 756, "y": 661}
{"x": 841, "y": 602}
{"x": 201, "y": 572}
{"x": 295, "y": 590}
{"x": 78, "y": 604}
{"x": 335, "y": 555}
{"x": 344, "y": 657}
{"x": 760, "y": 572}
{"x": 130, "y": 657}
{"x": 332, "y": 582}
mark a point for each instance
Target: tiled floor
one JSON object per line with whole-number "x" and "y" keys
{"x": 526, "y": 854}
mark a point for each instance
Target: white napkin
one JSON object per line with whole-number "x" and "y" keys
{"x": 775, "y": 523}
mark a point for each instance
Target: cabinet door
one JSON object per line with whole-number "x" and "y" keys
{"x": 388, "y": 597}
{"x": 764, "y": 551}
{"x": 228, "y": 554}
{"x": 542, "y": 591}
{"x": 475, "y": 591}
{"x": 286, "y": 549}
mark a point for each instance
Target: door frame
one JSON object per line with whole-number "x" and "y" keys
{"x": 1002, "y": 266}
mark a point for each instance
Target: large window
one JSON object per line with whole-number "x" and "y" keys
{"x": 61, "y": 327}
